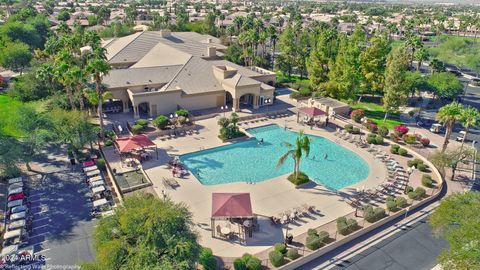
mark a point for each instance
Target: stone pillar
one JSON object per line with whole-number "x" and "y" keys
{"x": 235, "y": 105}
{"x": 135, "y": 112}
{"x": 125, "y": 106}
{"x": 255, "y": 101}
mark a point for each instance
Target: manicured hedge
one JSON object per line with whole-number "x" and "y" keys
{"x": 427, "y": 181}
{"x": 373, "y": 214}
{"x": 292, "y": 254}
{"x": 276, "y": 258}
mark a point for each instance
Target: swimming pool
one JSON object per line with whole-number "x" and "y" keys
{"x": 250, "y": 161}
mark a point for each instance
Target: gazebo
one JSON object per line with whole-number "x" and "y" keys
{"x": 227, "y": 206}
{"x": 140, "y": 141}
{"x": 311, "y": 112}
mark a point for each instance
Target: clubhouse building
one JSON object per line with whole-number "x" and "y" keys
{"x": 158, "y": 72}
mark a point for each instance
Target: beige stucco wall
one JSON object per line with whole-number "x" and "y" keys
{"x": 268, "y": 78}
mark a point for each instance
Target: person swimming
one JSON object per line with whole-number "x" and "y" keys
{"x": 325, "y": 157}
{"x": 261, "y": 141}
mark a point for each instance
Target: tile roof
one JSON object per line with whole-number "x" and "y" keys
{"x": 140, "y": 76}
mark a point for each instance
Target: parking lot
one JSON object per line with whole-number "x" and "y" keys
{"x": 62, "y": 226}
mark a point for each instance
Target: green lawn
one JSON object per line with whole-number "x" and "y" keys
{"x": 376, "y": 113}
{"x": 8, "y": 108}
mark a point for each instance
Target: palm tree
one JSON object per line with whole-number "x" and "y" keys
{"x": 470, "y": 117}
{"x": 296, "y": 151}
{"x": 447, "y": 115}
{"x": 98, "y": 67}
{"x": 93, "y": 98}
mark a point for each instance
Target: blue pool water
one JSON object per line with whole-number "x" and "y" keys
{"x": 250, "y": 161}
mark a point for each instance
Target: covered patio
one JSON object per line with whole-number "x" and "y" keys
{"x": 310, "y": 114}
{"x": 135, "y": 147}
{"x": 236, "y": 210}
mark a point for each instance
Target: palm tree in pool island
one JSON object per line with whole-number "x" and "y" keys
{"x": 448, "y": 115}
{"x": 296, "y": 151}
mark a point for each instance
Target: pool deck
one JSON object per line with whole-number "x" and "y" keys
{"x": 268, "y": 198}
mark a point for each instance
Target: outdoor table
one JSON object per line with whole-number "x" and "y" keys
{"x": 16, "y": 224}
{"x": 15, "y": 203}
{"x": 9, "y": 250}
{"x": 91, "y": 168}
{"x": 15, "y": 180}
{"x": 100, "y": 202}
{"x": 14, "y": 197}
{"x": 18, "y": 215}
{"x": 248, "y": 226}
{"x": 20, "y": 208}
{"x": 225, "y": 231}
{"x": 88, "y": 164}
{"x": 97, "y": 183}
{"x": 95, "y": 178}
{"x": 92, "y": 173}
{"x": 98, "y": 189}
{"x": 12, "y": 234}
{"x": 15, "y": 191}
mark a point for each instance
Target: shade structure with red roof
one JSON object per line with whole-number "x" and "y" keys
{"x": 128, "y": 144}
{"x": 231, "y": 205}
{"x": 311, "y": 111}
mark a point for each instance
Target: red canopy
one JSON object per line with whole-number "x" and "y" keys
{"x": 128, "y": 144}
{"x": 231, "y": 205}
{"x": 311, "y": 111}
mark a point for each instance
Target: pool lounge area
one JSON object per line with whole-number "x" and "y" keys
{"x": 253, "y": 161}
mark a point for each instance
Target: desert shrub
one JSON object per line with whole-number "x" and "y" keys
{"x": 402, "y": 152}
{"x": 207, "y": 260}
{"x": 313, "y": 242}
{"x": 276, "y": 258}
{"x": 391, "y": 206}
{"x": 292, "y": 254}
{"x": 400, "y": 201}
{"x": 323, "y": 236}
{"x": 253, "y": 263}
{"x": 280, "y": 247}
{"x": 373, "y": 214}
{"x": 312, "y": 232}
{"x": 357, "y": 115}
{"x": 352, "y": 225}
{"x": 408, "y": 189}
{"x": 425, "y": 142}
{"x": 374, "y": 139}
{"x": 400, "y": 130}
{"x": 427, "y": 181}
{"x": 417, "y": 194}
{"x": 414, "y": 162}
{"x": 161, "y": 121}
{"x": 181, "y": 112}
{"x": 142, "y": 122}
{"x": 239, "y": 264}
{"x": 355, "y": 130}
{"x": 422, "y": 167}
{"x": 382, "y": 131}
{"x": 137, "y": 129}
{"x": 345, "y": 226}
{"x": 394, "y": 137}
{"x": 394, "y": 148}
{"x": 409, "y": 138}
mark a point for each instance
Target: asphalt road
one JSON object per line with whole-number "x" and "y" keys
{"x": 62, "y": 226}
{"x": 412, "y": 247}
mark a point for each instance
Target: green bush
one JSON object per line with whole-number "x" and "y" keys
{"x": 161, "y": 121}
{"x": 276, "y": 258}
{"x": 391, "y": 206}
{"x": 182, "y": 112}
{"x": 401, "y": 202}
{"x": 394, "y": 148}
{"x": 414, "y": 162}
{"x": 254, "y": 263}
{"x": 383, "y": 131}
{"x": 427, "y": 181}
{"x": 239, "y": 264}
{"x": 373, "y": 214}
{"x": 137, "y": 129}
{"x": 323, "y": 236}
{"x": 100, "y": 163}
{"x": 142, "y": 122}
{"x": 408, "y": 189}
{"x": 345, "y": 226}
{"x": 280, "y": 247}
{"x": 352, "y": 225}
{"x": 313, "y": 242}
{"x": 402, "y": 152}
{"x": 292, "y": 254}
{"x": 302, "y": 178}
{"x": 108, "y": 142}
{"x": 420, "y": 192}
{"x": 207, "y": 260}
{"x": 312, "y": 232}
{"x": 374, "y": 139}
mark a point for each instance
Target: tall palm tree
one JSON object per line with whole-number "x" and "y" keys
{"x": 98, "y": 67}
{"x": 447, "y": 115}
{"x": 296, "y": 151}
{"x": 94, "y": 99}
{"x": 470, "y": 117}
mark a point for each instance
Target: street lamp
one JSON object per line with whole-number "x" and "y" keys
{"x": 409, "y": 172}
{"x": 224, "y": 109}
{"x": 267, "y": 102}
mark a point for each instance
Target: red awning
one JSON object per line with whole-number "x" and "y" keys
{"x": 311, "y": 111}
{"x": 128, "y": 144}
{"x": 231, "y": 205}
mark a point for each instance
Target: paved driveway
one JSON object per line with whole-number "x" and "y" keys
{"x": 62, "y": 226}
